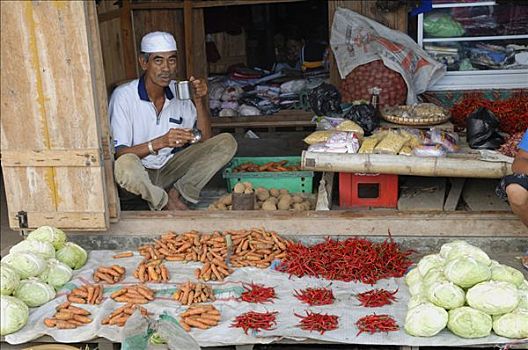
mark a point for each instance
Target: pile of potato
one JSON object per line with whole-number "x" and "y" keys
{"x": 269, "y": 200}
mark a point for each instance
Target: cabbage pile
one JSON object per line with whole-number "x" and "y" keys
{"x": 32, "y": 272}
{"x": 462, "y": 289}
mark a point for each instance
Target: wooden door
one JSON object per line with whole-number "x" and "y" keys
{"x": 53, "y": 111}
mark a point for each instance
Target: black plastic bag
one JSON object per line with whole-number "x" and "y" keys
{"x": 325, "y": 100}
{"x": 365, "y": 116}
{"x": 482, "y": 126}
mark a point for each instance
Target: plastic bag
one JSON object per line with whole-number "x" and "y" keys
{"x": 392, "y": 143}
{"x": 442, "y": 26}
{"x": 448, "y": 140}
{"x": 340, "y": 140}
{"x": 318, "y": 136}
{"x": 482, "y": 126}
{"x": 369, "y": 143}
{"x": 365, "y": 116}
{"x": 325, "y": 99}
{"x": 429, "y": 151}
{"x": 415, "y": 137}
{"x": 350, "y": 126}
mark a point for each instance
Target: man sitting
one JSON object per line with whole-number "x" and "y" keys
{"x": 152, "y": 131}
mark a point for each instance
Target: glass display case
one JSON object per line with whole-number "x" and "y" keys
{"x": 484, "y": 44}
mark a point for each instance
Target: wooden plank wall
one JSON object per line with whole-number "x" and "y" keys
{"x": 395, "y": 20}
{"x": 49, "y": 105}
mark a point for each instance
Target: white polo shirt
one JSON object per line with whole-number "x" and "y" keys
{"x": 134, "y": 119}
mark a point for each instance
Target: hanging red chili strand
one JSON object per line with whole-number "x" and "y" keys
{"x": 376, "y": 297}
{"x": 315, "y": 296}
{"x": 318, "y": 322}
{"x": 255, "y": 320}
{"x": 258, "y": 293}
{"x": 376, "y": 324}
{"x": 353, "y": 259}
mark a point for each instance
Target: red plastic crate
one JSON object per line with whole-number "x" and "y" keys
{"x": 368, "y": 190}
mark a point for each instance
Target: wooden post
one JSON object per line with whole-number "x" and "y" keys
{"x": 188, "y": 33}
{"x": 127, "y": 39}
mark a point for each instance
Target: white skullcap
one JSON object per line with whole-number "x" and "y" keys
{"x": 158, "y": 42}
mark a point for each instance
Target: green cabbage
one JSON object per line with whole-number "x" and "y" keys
{"x": 466, "y": 271}
{"x": 34, "y": 292}
{"x": 523, "y": 297}
{"x": 507, "y": 274}
{"x": 493, "y": 297}
{"x": 417, "y": 288}
{"x": 14, "y": 314}
{"x": 466, "y": 249}
{"x": 430, "y": 261}
{"x": 412, "y": 277}
{"x": 49, "y": 234}
{"x": 425, "y": 320}
{"x": 9, "y": 279}
{"x": 467, "y": 322}
{"x": 447, "y": 247}
{"x": 417, "y": 300}
{"x": 512, "y": 325}
{"x": 56, "y": 274}
{"x": 44, "y": 249}
{"x": 434, "y": 275}
{"x": 26, "y": 264}
{"x": 446, "y": 294}
{"x": 72, "y": 255}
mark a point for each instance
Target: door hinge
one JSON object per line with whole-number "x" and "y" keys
{"x": 22, "y": 219}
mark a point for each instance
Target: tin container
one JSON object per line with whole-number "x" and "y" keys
{"x": 184, "y": 90}
{"x": 197, "y": 135}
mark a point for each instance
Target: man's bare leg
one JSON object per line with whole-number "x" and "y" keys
{"x": 518, "y": 198}
{"x": 175, "y": 202}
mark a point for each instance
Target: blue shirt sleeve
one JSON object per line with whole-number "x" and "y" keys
{"x": 524, "y": 142}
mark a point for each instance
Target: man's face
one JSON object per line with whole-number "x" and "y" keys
{"x": 160, "y": 67}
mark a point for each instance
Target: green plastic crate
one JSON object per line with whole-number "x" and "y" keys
{"x": 293, "y": 181}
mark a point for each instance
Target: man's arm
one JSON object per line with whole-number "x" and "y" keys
{"x": 520, "y": 164}
{"x": 173, "y": 138}
{"x": 203, "y": 116}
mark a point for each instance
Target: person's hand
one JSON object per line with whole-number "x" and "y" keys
{"x": 177, "y": 137}
{"x": 199, "y": 86}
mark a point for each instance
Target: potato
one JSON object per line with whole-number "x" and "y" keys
{"x": 274, "y": 192}
{"x": 306, "y": 205}
{"x": 239, "y": 188}
{"x": 258, "y": 205}
{"x": 298, "y": 207}
{"x": 212, "y": 207}
{"x": 221, "y": 206}
{"x": 284, "y": 204}
{"x": 262, "y": 194}
{"x": 297, "y": 199}
{"x": 283, "y": 191}
{"x": 272, "y": 200}
{"x": 284, "y": 196}
{"x": 247, "y": 185}
{"x": 268, "y": 205}
{"x": 248, "y": 190}
{"x": 227, "y": 199}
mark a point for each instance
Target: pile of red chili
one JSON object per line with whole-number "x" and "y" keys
{"x": 376, "y": 297}
{"x": 512, "y": 112}
{"x": 255, "y": 320}
{"x": 353, "y": 259}
{"x": 257, "y": 293}
{"x": 315, "y": 296}
{"x": 318, "y": 322}
{"x": 376, "y": 324}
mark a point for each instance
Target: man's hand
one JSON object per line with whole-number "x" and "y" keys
{"x": 200, "y": 88}
{"x": 177, "y": 137}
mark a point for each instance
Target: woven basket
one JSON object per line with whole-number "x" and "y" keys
{"x": 412, "y": 115}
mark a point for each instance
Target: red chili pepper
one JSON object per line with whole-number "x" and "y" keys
{"x": 353, "y": 259}
{"x": 255, "y": 320}
{"x": 315, "y": 296}
{"x": 376, "y": 324}
{"x": 376, "y": 297}
{"x": 257, "y": 293}
{"x": 318, "y": 322}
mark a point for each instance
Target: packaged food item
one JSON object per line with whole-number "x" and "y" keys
{"x": 449, "y": 140}
{"x": 406, "y": 150}
{"x": 369, "y": 143}
{"x": 392, "y": 143}
{"x": 318, "y": 136}
{"x": 350, "y": 126}
{"x": 429, "y": 151}
{"x": 416, "y": 137}
{"x": 318, "y": 147}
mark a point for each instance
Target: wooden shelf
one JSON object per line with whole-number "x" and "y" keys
{"x": 285, "y": 118}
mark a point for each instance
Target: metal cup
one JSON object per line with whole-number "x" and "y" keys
{"x": 184, "y": 90}
{"x": 197, "y": 135}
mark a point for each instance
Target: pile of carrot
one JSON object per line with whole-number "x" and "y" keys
{"x": 256, "y": 247}
{"x": 120, "y": 316}
{"x": 87, "y": 294}
{"x": 270, "y": 166}
{"x": 68, "y": 316}
{"x": 109, "y": 274}
{"x": 138, "y": 294}
{"x": 152, "y": 271}
{"x": 190, "y": 293}
{"x": 201, "y": 317}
